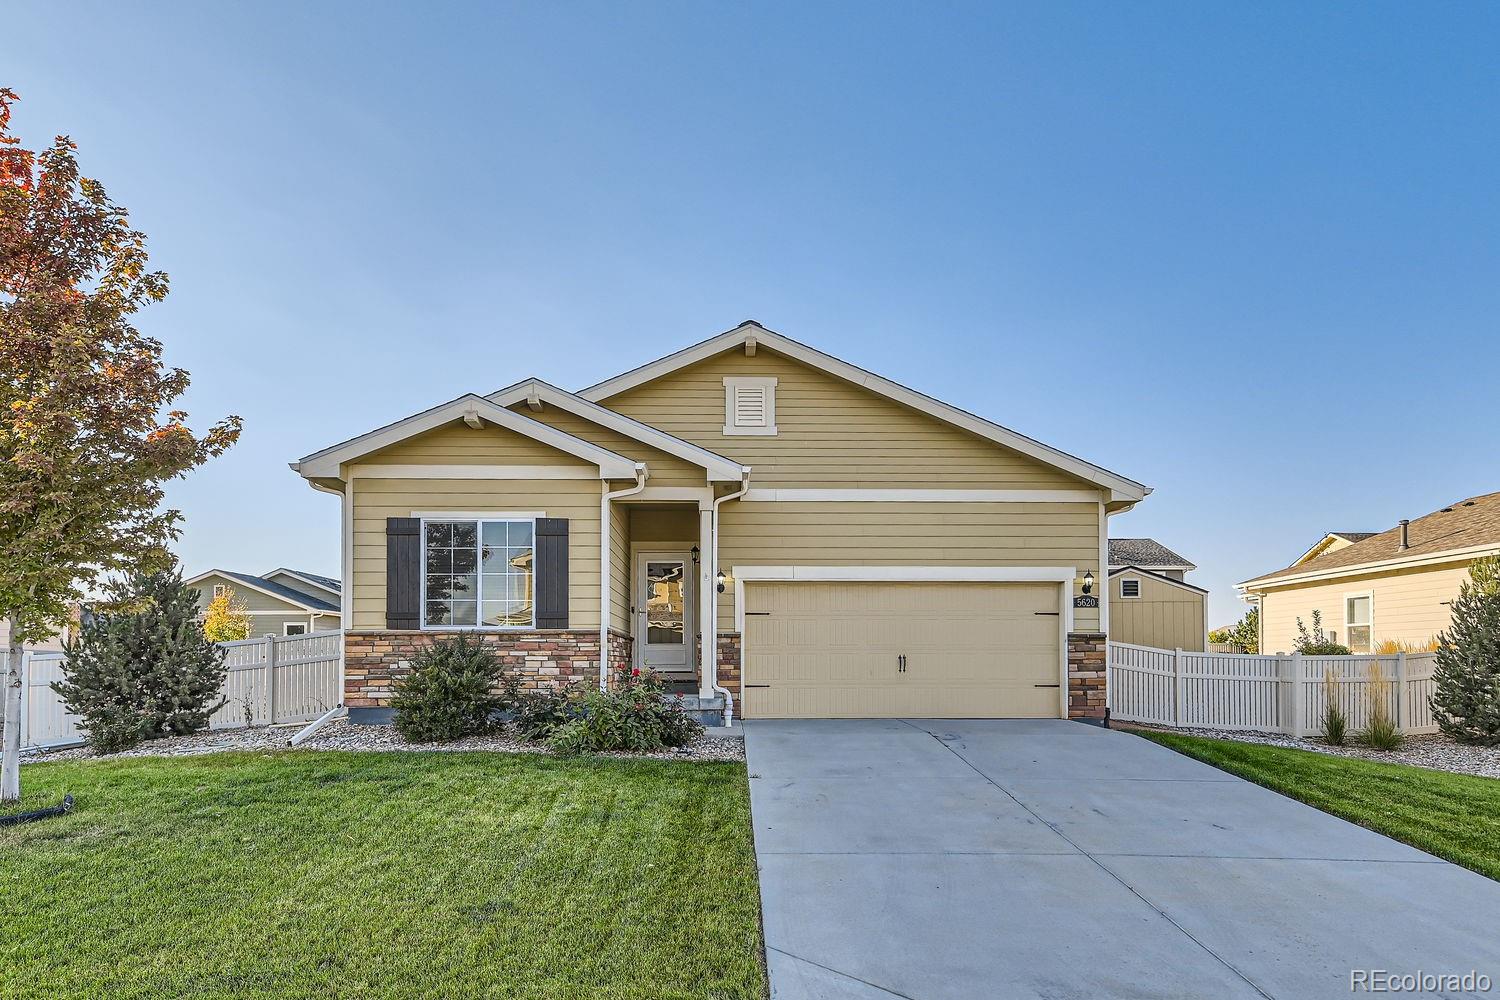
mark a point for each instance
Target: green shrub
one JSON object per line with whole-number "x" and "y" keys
{"x": 1466, "y": 696}
{"x": 1335, "y": 722}
{"x": 450, "y": 693}
{"x": 538, "y": 714}
{"x": 635, "y": 717}
{"x": 1316, "y": 642}
{"x": 143, "y": 669}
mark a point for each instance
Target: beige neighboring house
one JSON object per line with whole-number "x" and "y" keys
{"x": 1376, "y": 586}
{"x": 1153, "y": 605}
{"x": 281, "y": 602}
{"x": 849, "y": 547}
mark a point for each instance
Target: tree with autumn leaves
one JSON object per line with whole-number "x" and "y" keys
{"x": 88, "y": 435}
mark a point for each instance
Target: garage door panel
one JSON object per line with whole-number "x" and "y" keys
{"x": 830, "y": 650}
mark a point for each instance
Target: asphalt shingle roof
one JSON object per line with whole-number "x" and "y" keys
{"x": 326, "y": 581}
{"x": 282, "y": 590}
{"x": 1461, "y": 525}
{"x": 1144, "y": 552}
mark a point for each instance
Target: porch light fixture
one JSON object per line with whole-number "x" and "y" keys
{"x": 719, "y": 580}
{"x": 695, "y": 555}
{"x": 1088, "y": 581}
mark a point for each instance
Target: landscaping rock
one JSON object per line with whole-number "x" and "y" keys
{"x": 342, "y": 735}
{"x": 1435, "y": 752}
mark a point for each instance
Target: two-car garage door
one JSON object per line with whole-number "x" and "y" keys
{"x": 893, "y": 649}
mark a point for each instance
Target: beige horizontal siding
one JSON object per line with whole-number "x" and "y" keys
{"x": 377, "y": 499}
{"x": 666, "y": 470}
{"x": 831, "y": 433}
{"x": 619, "y": 567}
{"x": 459, "y": 444}
{"x": 909, "y": 534}
{"x": 1408, "y": 606}
{"x": 1164, "y": 616}
{"x": 665, "y": 523}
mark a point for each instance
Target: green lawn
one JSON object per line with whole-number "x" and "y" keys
{"x": 375, "y": 875}
{"x": 1454, "y": 816}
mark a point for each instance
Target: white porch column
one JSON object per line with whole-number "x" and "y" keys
{"x": 708, "y": 565}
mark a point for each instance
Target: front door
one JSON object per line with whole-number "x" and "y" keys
{"x": 664, "y": 611}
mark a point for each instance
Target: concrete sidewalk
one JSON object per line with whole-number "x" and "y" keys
{"x": 1020, "y": 858}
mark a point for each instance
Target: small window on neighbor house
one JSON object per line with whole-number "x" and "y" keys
{"x": 1357, "y": 623}
{"x": 1130, "y": 587}
{"x": 294, "y": 628}
{"x": 749, "y": 405}
{"x": 220, "y": 589}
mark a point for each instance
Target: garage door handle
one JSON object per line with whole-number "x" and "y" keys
{"x": 1046, "y": 685}
{"x": 901, "y": 663}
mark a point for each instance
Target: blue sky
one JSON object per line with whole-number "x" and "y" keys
{"x": 1247, "y": 254}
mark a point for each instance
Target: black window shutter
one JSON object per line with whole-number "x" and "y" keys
{"x": 551, "y": 581}
{"x": 403, "y": 572}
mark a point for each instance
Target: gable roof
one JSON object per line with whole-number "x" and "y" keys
{"x": 326, "y": 463}
{"x": 1142, "y": 571}
{"x": 270, "y": 588}
{"x": 1142, "y": 552}
{"x": 1464, "y": 529}
{"x": 1121, "y": 489}
{"x": 327, "y": 583}
{"x": 1328, "y": 539}
{"x": 718, "y": 468}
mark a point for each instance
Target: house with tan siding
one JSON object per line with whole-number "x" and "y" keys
{"x": 1393, "y": 585}
{"x": 1153, "y": 603}
{"x": 281, "y": 602}
{"x": 765, "y": 525}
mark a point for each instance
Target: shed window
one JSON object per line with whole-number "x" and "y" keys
{"x": 1357, "y": 623}
{"x": 749, "y": 405}
{"x": 478, "y": 574}
{"x": 1130, "y": 587}
{"x": 294, "y": 628}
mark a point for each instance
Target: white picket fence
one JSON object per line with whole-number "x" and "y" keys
{"x": 272, "y": 680}
{"x": 1283, "y": 693}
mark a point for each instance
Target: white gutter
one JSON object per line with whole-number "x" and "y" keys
{"x": 604, "y": 579}
{"x": 711, "y": 633}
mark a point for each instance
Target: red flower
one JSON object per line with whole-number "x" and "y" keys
{"x": 635, "y": 671}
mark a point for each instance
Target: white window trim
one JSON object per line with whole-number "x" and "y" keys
{"x": 1130, "y": 597}
{"x": 220, "y": 589}
{"x": 1368, "y": 624}
{"x": 733, "y": 382}
{"x": 479, "y": 598}
{"x": 291, "y": 625}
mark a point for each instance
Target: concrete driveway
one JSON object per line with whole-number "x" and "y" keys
{"x": 1010, "y": 859}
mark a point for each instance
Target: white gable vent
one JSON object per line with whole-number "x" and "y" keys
{"x": 749, "y": 405}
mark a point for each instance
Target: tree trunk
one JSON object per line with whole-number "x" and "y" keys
{"x": 10, "y": 759}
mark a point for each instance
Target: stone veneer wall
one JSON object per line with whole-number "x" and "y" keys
{"x": 1087, "y": 672}
{"x": 545, "y": 658}
{"x": 729, "y": 664}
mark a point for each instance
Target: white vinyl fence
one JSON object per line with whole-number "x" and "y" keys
{"x": 1282, "y": 693}
{"x": 271, "y": 680}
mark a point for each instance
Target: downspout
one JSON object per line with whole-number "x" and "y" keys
{"x": 604, "y": 567}
{"x": 711, "y": 634}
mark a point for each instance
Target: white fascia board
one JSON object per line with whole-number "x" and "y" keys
{"x": 1120, "y": 487}
{"x": 234, "y": 581}
{"x": 719, "y": 468}
{"x": 1360, "y": 569}
{"x": 1159, "y": 578}
{"x": 327, "y": 462}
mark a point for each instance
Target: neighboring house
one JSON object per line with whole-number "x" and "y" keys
{"x": 1393, "y": 585}
{"x": 1152, "y": 604}
{"x": 850, "y": 546}
{"x": 281, "y": 602}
